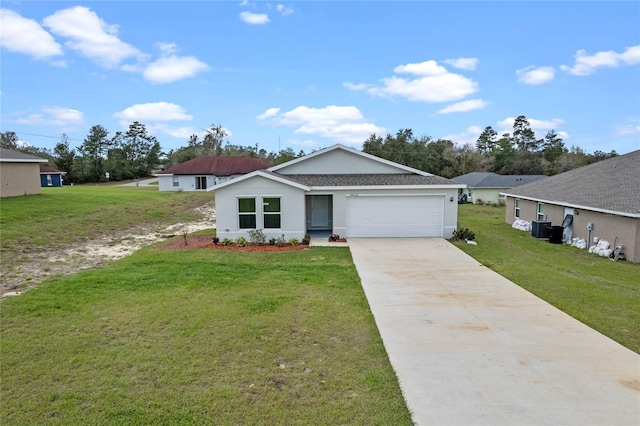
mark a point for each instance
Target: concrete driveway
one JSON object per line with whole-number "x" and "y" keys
{"x": 470, "y": 347}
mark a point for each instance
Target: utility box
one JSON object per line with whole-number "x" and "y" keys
{"x": 590, "y": 226}
{"x": 540, "y": 228}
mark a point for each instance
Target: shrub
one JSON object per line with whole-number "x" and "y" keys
{"x": 334, "y": 237}
{"x": 215, "y": 240}
{"x": 257, "y": 237}
{"x": 306, "y": 239}
{"x": 280, "y": 241}
{"x": 294, "y": 241}
{"x": 479, "y": 201}
{"x": 226, "y": 242}
{"x": 272, "y": 241}
{"x": 241, "y": 242}
{"x": 464, "y": 234}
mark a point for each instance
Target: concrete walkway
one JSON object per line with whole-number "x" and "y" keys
{"x": 470, "y": 347}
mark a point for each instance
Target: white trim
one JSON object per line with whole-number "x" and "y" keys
{"x": 260, "y": 173}
{"x": 354, "y": 151}
{"x": 21, "y": 160}
{"x": 576, "y": 206}
{"x": 397, "y": 195}
{"x": 380, "y": 187}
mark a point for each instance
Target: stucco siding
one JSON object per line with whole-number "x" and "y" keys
{"x": 609, "y": 227}
{"x": 339, "y": 162}
{"x": 487, "y": 195}
{"x": 292, "y": 208}
{"x": 19, "y": 179}
{"x": 188, "y": 182}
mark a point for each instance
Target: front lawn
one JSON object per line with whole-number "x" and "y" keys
{"x": 602, "y": 294}
{"x": 199, "y": 337}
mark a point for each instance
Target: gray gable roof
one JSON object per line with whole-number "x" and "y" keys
{"x": 9, "y": 155}
{"x": 493, "y": 180}
{"x": 611, "y": 185}
{"x": 367, "y": 179}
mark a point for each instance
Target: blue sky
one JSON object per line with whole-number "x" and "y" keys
{"x": 308, "y": 75}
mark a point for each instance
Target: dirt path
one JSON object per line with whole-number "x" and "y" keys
{"x": 34, "y": 268}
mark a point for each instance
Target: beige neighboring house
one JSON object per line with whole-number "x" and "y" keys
{"x": 19, "y": 173}
{"x": 603, "y": 200}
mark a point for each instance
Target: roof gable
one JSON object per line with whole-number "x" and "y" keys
{"x": 494, "y": 180}
{"x": 50, "y": 170}
{"x": 339, "y": 159}
{"x": 217, "y": 166}
{"x": 611, "y": 185}
{"x": 263, "y": 174}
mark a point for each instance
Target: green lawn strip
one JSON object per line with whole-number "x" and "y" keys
{"x": 197, "y": 337}
{"x": 602, "y": 294}
{"x": 71, "y": 214}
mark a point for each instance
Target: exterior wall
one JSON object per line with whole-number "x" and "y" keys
{"x": 338, "y": 161}
{"x": 56, "y": 180}
{"x": 450, "y": 214}
{"x": 292, "y": 208}
{"x": 188, "y": 182}
{"x": 487, "y": 195}
{"x": 19, "y": 179}
{"x": 609, "y": 227}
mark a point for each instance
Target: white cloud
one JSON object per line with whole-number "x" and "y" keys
{"x": 469, "y": 136}
{"x": 433, "y": 83}
{"x": 254, "y": 18}
{"x": 153, "y": 112}
{"x": 541, "y": 127}
{"x": 533, "y": 75}
{"x": 463, "y": 106}
{"x": 91, "y": 36}
{"x": 173, "y": 68}
{"x": 26, "y": 36}
{"x": 303, "y": 143}
{"x": 628, "y": 129}
{"x": 586, "y": 64}
{"x": 463, "y": 63}
{"x": 339, "y": 123}
{"x": 284, "y": 10}
{"x": 53, "y": 116}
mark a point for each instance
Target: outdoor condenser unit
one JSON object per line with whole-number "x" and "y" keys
{"x": 540, "y": 228}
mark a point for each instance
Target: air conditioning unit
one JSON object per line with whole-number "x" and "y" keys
{"x": 540, "y": 228}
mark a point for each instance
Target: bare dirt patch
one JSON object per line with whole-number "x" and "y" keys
{"x": 27, "y": 270}
{"x": 206, "y": 242}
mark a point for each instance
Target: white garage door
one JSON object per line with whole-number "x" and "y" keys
{"x": 395, "y": 216}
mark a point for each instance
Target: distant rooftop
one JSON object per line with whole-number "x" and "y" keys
{"x": 9, "y": 155}
{"x": 494, "y": 180}
{"x": 217, "y": 166}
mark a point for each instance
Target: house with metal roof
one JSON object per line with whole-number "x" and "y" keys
{"x": 485, "y": 187}
{"x": 603, "y": 200}
{"x": 337, "y": 190}
{"x": 19, "y": 173}
{"x": 201, "y": 173}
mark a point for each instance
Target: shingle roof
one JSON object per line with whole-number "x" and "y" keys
{"x": 367, "y": 179}
{"x": 493, "y": 180}
{"x": 50, "y": 170}
{"x": 612, "y": 185}
{"x": 217, "y": 166}
{"x": 9, "y": 155}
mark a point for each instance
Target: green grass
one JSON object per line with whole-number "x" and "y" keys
{"x": 602, "y": 294}
{"x": 199, "y": 337}
{"x": 61, "y": 216}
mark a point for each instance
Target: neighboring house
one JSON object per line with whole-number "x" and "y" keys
{"x": 50, "y": 176}
{"x": 19, "y": 173}
{"x": 338, "y": 190}
{"x": 603, "y": 200}
{"x": 486, "y": 187}
{"x": 204, "y": 172}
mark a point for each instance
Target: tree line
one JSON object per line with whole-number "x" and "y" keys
{"x": 135, "y": 153}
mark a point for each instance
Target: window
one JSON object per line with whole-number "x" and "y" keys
{"x": 540, "y": 211}
{"x": 247, "y": 213}
{"x": 516, "y": 209}
{"x": 271, "y": 209}
{"x": 201, "y": 182}
{"x": 176, "y": 181}
{"x": 49, "y": 181}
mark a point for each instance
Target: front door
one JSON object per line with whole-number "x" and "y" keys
{"x": 319, "y": 211}
{"x": 201, "y": 182}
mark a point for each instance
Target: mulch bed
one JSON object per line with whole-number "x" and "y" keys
{"x": 205, "y": 242}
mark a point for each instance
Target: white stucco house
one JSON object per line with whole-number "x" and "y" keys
{"x": 200, "y": 173}
{"x": 338, "y": 190}
{"x": 485, "y": 187}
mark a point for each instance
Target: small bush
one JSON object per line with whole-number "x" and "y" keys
{"x": 226, "y": 242}
{"x": 257, "y": 237}
{"x": 306, "y": 239}
{"x": 280, "y": 241}
{"x": 294, "y": 241}
{"x": 241, "y": 242}
{"x": 215, "y": 240}
{"x": 479, "y": 201}
{"x": 272, "y": 241}
{"x": 463, "y": 234}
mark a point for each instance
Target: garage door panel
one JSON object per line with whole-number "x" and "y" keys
{"x": 395, "y": 216}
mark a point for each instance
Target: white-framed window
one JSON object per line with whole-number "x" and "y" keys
{"x": 176, "y": 181}
{"x": 201, "y": 182}
{"x": 49, "y": 181}
{"x": 247, "y": 213}
{"x": 271, "y": 212}
{"x": 516, "y": 208}
{"x": 540, "y": 215}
